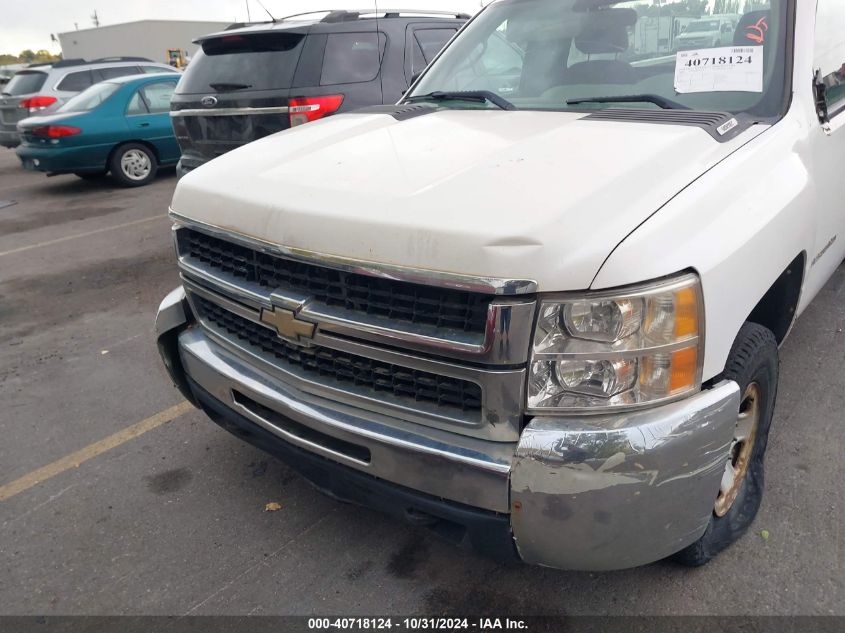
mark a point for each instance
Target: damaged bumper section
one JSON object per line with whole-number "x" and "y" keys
{"x": 589, "y": 493}
{"x": 619, "y": 491}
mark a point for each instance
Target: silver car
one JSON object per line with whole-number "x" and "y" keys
{"x": 41, "y": 88}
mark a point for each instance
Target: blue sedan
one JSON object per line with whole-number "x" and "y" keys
{"x": 120, "y": 126}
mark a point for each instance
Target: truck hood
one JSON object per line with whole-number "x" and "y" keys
{"x": 544, "y": 196}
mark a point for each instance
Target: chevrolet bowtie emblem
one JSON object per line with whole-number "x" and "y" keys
{"x": 287, "y": 325}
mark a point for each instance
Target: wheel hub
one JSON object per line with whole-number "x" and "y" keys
{"x": 742, "y": 448}
{"x": 135, "y": 164}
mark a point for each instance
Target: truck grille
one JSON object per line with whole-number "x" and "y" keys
{"x": 341, "y": 367}
{"x": 396, "y": 300}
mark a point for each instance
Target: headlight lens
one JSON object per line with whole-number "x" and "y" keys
{"x": 634, "y": 347}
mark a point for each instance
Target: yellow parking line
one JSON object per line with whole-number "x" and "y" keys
{"x": 89, "y": 233}
{"x": 91, "y": 451}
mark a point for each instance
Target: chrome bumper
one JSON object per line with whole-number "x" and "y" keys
{"x": 620, "y": 491}
{"x": 590, "y": 493}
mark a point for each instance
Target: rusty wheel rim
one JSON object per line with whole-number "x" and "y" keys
{"x": 742, "y": 448}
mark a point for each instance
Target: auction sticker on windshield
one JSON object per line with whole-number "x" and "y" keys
{"x": 726, "y": 69}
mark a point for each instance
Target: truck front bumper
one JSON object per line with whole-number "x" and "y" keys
{"x": 590, "y": 493}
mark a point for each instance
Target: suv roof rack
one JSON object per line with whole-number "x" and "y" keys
{"x": 343, "y": 16}
{"x": 241, "y": 25}
{"x": 120, "y": 59}
{"x": 358, "y": 14}
{"x": 61, "y": 63}
{"x": 448, "y": 14}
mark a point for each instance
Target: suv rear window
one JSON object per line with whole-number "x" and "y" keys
{"x": 263, "y": 61}
{"x": 25, "y": 82}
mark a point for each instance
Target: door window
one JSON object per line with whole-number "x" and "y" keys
{"x": 152, "y": 98}
{"x": 427, "y": 43}
{"x": 118, "y": 71}
{"x": 352, "y": 58}
{"x": 151, "y": 70}
{"x": 76, "y": 82}
{"x": 158, "y": 96}
{"x": 830, "y": 53}
{"x": 136, "y": 105}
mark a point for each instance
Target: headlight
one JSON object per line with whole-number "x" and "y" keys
{"x": 625, "y": 348}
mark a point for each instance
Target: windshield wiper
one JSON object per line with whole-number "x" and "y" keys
{"x": 666, "y": 104}
{"x": 225, "y": 87}
{"x": 477, "y": 96}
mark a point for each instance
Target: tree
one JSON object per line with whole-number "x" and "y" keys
{"x": 27, "y": 56}
{"x": 44, "y": 56}
{"x": 697, "y": 6}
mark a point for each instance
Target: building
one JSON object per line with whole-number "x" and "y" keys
{"x": 152, "y": 39}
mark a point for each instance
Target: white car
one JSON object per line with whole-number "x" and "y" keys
{"x": 539, "y": 316}
{"x": 715, "y": 30}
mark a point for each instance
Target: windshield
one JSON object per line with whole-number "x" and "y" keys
{"x": 90, "y": 98}
{"x": 555, "y": 54}
{"x": 25, "y": 83}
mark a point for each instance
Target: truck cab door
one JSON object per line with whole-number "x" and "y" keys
{"x": 828, "y": 139}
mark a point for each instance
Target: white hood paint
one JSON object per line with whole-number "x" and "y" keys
{"x": 523, "y": 195}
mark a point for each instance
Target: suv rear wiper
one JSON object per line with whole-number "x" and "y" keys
{"x": 224, "y": 87}
{"x": 478, "y": 96}
{"x": 666, "y": 104}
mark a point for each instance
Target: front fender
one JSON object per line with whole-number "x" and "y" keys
{"x": 739, "y": 226}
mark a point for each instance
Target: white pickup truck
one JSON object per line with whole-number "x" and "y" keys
{"x": 536, "y": 306}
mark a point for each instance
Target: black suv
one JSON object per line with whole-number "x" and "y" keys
{"x": 253, "y": 80}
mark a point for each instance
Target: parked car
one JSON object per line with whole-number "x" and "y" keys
{"x": 252, "y": 81}
{"x": 7, "y": 71}
{"x": 709, "y": 32}
{"x": 542, "y": 320}
{"x": 120, "y": 126}
{"x": 43, "y": 88}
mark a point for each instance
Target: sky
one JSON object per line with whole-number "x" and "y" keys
{"x": 29, "y": 24}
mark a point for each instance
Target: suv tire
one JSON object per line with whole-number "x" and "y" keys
{"x": 133, "y": 165}
{"x": 753, "y": 365}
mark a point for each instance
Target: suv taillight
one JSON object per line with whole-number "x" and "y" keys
{"x": 307, "y": 109}
{"x": 55, "y": 131}
{"x": 33, "y": 104}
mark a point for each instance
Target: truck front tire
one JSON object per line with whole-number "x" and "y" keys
{"x": 753, "y": 365}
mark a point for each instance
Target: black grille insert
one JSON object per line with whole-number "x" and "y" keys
{"x": 343, "y": 367}
{"x": 396, "y": 300}
{"x": 355, "y": 451}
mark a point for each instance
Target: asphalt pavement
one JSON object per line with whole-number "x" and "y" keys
{"x": 169, "y": 518}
